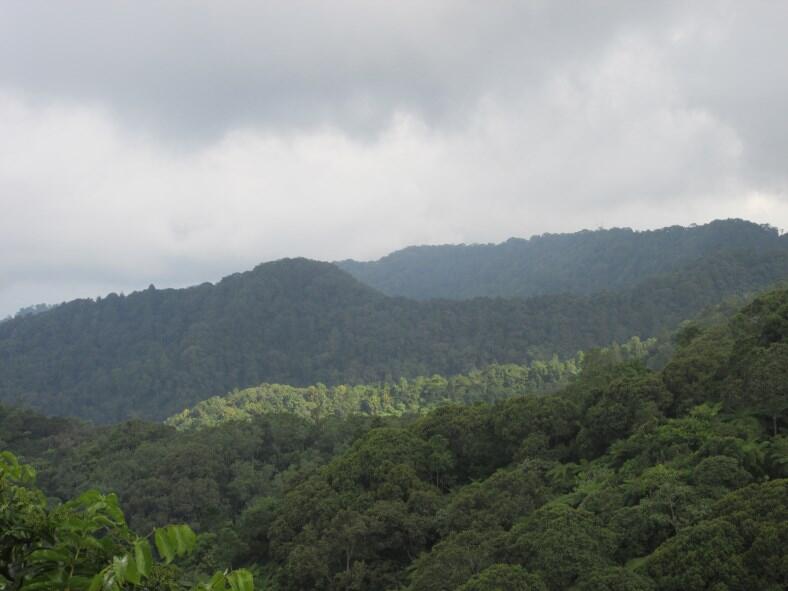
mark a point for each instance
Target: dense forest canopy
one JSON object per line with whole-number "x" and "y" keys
{"x": 298, "y": 322}
{"x": 415, "y": 396}
{"x": 627, "y": 478}
{"x": 580, "y": 263}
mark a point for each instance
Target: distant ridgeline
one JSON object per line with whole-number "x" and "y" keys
{"x": 414, "y": 396}
{"x": 581, "y": 263}
{"x": 29, "y": 311}
{"x": 300, "y": 322}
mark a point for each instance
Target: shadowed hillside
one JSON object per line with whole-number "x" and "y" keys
{"x": 580, "y": 263}
{"x": 156, "y": 352}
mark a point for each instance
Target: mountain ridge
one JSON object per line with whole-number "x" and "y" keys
{"x": 580, "y": 262}
{"x": 295, "y": 321}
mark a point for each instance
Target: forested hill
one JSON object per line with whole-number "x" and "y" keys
{"x": 299, "y": 322}
{"x": 626, "y": 480}
{"x": 580, "y": 263}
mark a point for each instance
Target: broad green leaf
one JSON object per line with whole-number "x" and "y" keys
{"x": 48, "y": 555}
{"x": 132, "y": 573}
{"x": 54, "y": 580}
{"x": 184, "y": 538}
{"x": 120, "y": 566}
{"x": 216, "y": 582}
{"x": 163, "y": 545}
{"x": 179, "y": 539}
{"x": 241, "y": 580}
{"x": 109, "y": 583}
{"x": 104, "y": 521}
{"x": 79, "y": 582}
{"x": 143, "y": 557}
{"x": 92, "y": 542}
{"x": 96, "y": 582}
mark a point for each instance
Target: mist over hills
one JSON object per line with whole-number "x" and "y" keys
{"x": 584, "y": 262}
{"x": 295, "y": 321}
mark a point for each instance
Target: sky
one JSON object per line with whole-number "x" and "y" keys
{"x": 177, "y": 141}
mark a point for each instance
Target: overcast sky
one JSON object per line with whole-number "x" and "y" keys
{"x": 173, "y": 142}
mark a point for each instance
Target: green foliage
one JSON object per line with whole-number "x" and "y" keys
{"x": 207, "y": 479}
{"x": 608, "y": 484}
{"x": 627, "y": 479}
{"x": 623, "y": 405}
{"x": 504, "y": 577}
{"x": 418, "y": 395}
{"x": 560, "y": 543}
{"x": 614, "y": 578}
{"x": 705, "y": 556}
{"x": 84, "y": 544}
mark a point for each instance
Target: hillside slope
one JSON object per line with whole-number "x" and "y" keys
{"x": 580, "y": 263}
{"x": 299, "y": 322}
{"x": 627, "y": 479}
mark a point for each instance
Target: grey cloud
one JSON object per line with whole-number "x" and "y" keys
{"x": 735, "y": 67}
{"x": 187, "y": 69}
{"x": 196, "y": 67}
